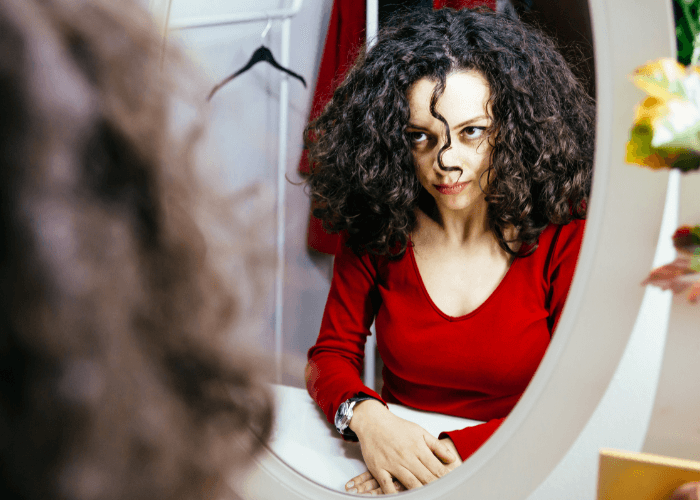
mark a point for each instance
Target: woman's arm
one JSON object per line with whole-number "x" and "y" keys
{"x": 335, "y": 361}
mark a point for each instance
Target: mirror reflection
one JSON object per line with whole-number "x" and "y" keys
{"x": 455, "y": 162}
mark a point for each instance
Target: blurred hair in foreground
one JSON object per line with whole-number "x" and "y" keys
{"x": 119, "y": 374}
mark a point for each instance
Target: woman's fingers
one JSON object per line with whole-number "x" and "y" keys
{"x": 408, "y": 477}
{"x": 386, "y": 482}
{"x": 419, "y": 470}
{"x": 439, "y": 449}
{"x": 378, "y": 491}
{"x": 436, "y": 468}
{"x": 365, "y": 484}
{"x": 368, "y": 486}
{"x": 358, "y": 480}
{"x": 362, "y": 485}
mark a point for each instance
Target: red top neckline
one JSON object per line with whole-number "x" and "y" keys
{"x": 501, "y": 285}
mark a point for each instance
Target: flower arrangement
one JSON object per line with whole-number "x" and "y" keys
{"x": 666, "y": 131}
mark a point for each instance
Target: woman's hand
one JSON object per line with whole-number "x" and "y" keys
{"x": 366, "y": 484}
{"x": 394, "y": 448}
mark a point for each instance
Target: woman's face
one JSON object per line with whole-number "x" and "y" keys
{"x": 464, "y": 105}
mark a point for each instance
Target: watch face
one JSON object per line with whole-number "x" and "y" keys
{"x": 342, "y": 418}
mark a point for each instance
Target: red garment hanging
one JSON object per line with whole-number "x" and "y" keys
{"x": 345, "y": 38}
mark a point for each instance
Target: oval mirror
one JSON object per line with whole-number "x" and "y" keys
{"x": 625, "y": 215}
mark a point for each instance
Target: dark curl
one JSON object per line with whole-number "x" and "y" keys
{"x": 363, "y": 177}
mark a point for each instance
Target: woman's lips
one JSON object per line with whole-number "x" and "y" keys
{"x": 455, "y": 188}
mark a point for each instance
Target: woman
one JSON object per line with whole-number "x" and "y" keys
{"x": 120, "y": 377}
{"x": 456, "y": 161}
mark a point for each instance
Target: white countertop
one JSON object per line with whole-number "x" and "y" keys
{"x": 303, "y": 439}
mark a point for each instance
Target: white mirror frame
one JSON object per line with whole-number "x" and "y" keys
{"x": 625, "y": 214}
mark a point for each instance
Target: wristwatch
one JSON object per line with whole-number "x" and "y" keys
{"x": 344, "y": 414}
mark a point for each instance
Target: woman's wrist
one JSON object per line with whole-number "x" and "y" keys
{"x": 364, "y": 412}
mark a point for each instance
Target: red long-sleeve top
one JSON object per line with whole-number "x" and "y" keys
{"x": 475, "y": 366}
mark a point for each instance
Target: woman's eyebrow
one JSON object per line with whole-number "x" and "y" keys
{"x": 471, "y": 120}
{"x": 464, "y": 123}
{"x": 417, "y": 127}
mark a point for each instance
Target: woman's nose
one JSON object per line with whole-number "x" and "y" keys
{"x": 451, "y": 160}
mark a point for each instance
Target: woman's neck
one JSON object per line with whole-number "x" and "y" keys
{"x": 460, "y": 227}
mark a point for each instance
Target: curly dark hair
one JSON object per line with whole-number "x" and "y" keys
{"x": 119, "y": 374}
{"x": 363, "y": 177}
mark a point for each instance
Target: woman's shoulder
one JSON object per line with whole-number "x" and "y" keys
{"x": 561, "y": 243}
{"x": 345, "y": 253}
{"x": 556, "y": 239}
{"x": 555, "y": 232}
{"x": 396, "y": 253}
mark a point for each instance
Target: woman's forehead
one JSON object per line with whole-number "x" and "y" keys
{"x": 466, "y": 96}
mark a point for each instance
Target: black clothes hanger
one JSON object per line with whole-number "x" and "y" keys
{"x": 262, "y": 53}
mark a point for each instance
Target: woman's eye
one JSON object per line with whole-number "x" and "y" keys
{"x": 473, "y": 132}
{"x": 417, "y": 138}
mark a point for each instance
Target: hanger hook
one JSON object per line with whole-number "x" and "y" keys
{"x": 267, "y": 28}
